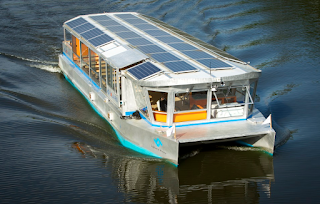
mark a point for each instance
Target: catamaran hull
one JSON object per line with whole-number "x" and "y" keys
{"x": 142, "y": 137}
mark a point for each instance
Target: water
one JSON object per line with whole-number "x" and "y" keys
{"x": 55, "y": 148}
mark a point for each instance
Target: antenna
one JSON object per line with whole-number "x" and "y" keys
{"x": 210, "y": 74}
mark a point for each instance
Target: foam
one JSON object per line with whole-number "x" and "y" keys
{"x": 46, "y": 67}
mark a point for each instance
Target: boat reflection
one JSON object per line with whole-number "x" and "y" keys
{"x": 207, "y": 176}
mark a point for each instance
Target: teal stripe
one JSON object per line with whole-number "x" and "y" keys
{"x": 129, "y": 113}
{"x": 250, "y": 145}
{"x": 244, "y": 143}
{"x": 132, "y": 146}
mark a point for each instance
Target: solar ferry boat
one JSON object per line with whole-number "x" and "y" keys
{"x": 160, "y": 88}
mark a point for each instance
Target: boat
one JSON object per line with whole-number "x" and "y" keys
{"x": 160, "y": 88}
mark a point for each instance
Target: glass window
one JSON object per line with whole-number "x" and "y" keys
{"x": 190, "y": 101}
{"x": 68, "y": 36}
{"x": 94, "y": 67}
{"x": 109, "y": 75}
{"x": 229, "y": 101}
{"x": 190, "y": 106}
{"x": 159, "y": 104}
{"x": 231, "y": 96}
{"x": 103, "y": 75}
{"x": 67, "y": 46}
{"x": 76, "y": 50}
{"x": 253, "y": 89}
{"x": 84, "y": 58}
{"x": 141, "y": 100}
{"x": 112, "y": 77}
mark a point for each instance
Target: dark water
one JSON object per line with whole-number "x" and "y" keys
{"x": 55, "y": 149}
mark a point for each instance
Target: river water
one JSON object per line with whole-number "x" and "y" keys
{"x": 55, "y": 149}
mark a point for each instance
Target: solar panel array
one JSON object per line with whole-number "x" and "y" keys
{"x": 89, "y": 32}
{"x": 175, "y": 63}
{"x": 139, "y": 41}
{"x": 162, "y": 55}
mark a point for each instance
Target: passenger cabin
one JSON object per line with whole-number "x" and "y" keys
{"x": 141, "y": 63}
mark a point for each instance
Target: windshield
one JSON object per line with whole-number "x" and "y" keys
{"x": 230, "y": 101}
{"x": 231, "y": 97}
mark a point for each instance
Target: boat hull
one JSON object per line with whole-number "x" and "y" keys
{"x": 132, "y": 133}
{"x": 143, "y": 137}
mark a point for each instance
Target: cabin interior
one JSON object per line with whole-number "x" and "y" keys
{"x": 164, "y": 106}
{"x": 195, "y": 103}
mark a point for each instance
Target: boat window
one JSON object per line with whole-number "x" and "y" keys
{"x": 158, "y": 101}
{"x": 67, "y": 45}
{"x": 76, "y": 50}
{"x": 253, "y": 89}
{"x": 141, "y": 100}
{"x": 67, "y": 37}
{"x": 84, "y": 58}
{"x": 190, "y": 101}
{"x": 229, "y": 101}
{"x": 190, "y": 106}
{"x": 111, "y": 77}
{"x": 94, "y": 67}
{"x": 103, "y": 75}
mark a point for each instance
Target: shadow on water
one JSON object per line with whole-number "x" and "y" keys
{"x": 247, "y": 176}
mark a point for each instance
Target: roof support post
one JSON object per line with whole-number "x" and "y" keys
{"x": 170, "y": 109}
{"x": 209, "y": 99}
{"x": 100, "y": 75}
{"x": 246, "y": 109}
{"x": 253, "y": 96}
{"x": 80, "y": 64}
{"x": 64, "y": 34}
{"x": 118, "y": 85}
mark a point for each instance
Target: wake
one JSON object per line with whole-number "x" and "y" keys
{"x": 39, "y": 64}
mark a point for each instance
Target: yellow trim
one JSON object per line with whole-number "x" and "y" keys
{"x": 160, "y": 116}
{"x": 189, "y": 116}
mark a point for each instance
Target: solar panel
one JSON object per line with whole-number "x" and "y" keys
{"x": 117, "y": 29}
{"x": 76, "y": 22}
{"x": 126, "y": 16}
{"x": 109, "y": 23}
{"x": 135, "y": 21}
{"x": 144, "y": 70}
{"x": 168, "y": 39}
{"x": 197, "y": 54}
{"x": 214, "y": 63}
{"x": 127, "y": 35}
{"x": 182, "y": 46}
{"x": 100, "y": 40}
{"x": 148, "y": 49}
{"x": 100, "y": 18}
{"x": 145, "y": 26}
{"x": 164, "y": 57}
{"x": 83, "y": 28}
{"x": 179, "y": 66}
{"x": 139, "y": 41}
{"x": 157, "y": 32}
{"x": 92, "y": 33}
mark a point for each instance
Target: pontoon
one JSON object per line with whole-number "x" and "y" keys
{"x": 160, "y": 88}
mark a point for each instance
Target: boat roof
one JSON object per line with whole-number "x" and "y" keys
{"x": 155, "y": 53}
